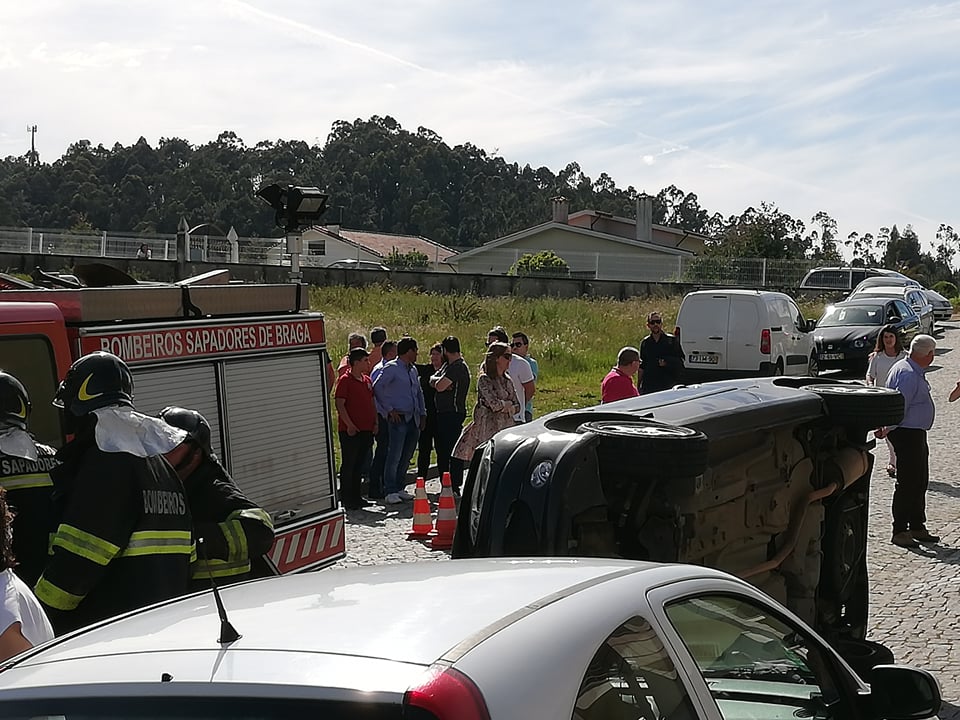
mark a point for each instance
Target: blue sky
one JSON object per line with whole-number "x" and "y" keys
{"x": 848, "y": 107}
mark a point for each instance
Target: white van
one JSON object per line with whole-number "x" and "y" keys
{"x": 743, "y": 333}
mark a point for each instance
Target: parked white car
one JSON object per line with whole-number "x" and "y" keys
{"x": 744, "y": 333}
{"x": 586, "y": 639}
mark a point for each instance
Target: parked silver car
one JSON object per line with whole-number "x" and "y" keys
{"x": 913, "y": 296}
{"x": 586, "y": 639}
{"x": 942, "y": 308}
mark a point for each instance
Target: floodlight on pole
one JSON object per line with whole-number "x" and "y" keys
{"x": 296, "y": 207}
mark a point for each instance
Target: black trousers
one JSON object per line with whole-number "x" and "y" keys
{"x": 449, "y": 427}
{"x": 425, "y": 446}
{"x": 353, "y": 448}
{"x": 913, "y": 476}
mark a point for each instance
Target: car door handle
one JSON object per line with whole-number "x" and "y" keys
{"x": 714, "y": 337}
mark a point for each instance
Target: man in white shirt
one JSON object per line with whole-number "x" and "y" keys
{"x": 519, "y": 370}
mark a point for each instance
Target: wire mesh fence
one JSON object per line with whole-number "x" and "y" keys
{"x": 625, "y": 266}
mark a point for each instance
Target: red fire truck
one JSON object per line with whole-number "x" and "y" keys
{"x": 249, "y": 357}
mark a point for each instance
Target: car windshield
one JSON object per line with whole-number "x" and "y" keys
{"x": 839, "y": 315}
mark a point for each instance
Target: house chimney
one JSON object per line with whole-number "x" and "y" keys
{"x": 644, "y": 218}
{"x": 334, "y": 228}
{"x": 561, "y": 209}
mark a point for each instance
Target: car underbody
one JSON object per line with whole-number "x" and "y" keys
{"x": 766, "y": 479}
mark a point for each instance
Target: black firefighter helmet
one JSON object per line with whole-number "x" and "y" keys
{"x": 196, "y": 425}
{"x": 14, "y": 401}
{"x": 94, "y": 381}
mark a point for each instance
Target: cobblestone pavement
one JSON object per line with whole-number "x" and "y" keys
{"x": 913, "y": 592}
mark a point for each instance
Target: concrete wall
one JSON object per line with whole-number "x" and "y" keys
{"x": 444, "y": 283}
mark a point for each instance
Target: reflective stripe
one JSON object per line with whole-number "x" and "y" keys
{"x": 236, "y": 539}
{"x": 51, "y": 595}
{"x": 258, "y": 514}
{"x": 21, "y": 482}
{"x": 158, "y": 542}
{"x": 84, "y": 544}
{"x": 204, "y": 569}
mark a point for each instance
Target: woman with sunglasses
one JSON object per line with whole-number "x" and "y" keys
{"x": 496, "y": 402}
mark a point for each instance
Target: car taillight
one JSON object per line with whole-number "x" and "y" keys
{"x": 765, "y": 341}
{"x": 449, "y": 695}
{"x": 676, "y": 332}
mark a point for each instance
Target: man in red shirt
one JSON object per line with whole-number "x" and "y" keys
{"x": 618, "y": 384}
{"x": 356, "y": 423}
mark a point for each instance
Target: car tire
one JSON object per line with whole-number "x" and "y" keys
{"x": 861, "y": 405}
{"x": 666, "y": 450}
{"x": 864, "y": 655}
{"x": 813, "y": 366}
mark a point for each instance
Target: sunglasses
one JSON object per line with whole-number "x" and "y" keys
{"x": 516, "y": 344}
{"x": 654, "y": 322}
{"x": 508, "y": 356}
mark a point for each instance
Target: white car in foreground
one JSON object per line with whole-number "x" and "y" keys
{"x": 467, "y": 640}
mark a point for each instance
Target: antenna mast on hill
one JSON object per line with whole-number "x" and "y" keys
{"x": 33, "y": 159}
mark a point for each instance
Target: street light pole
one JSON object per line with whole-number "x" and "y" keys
{"x": 296, "y": 207}
{"x": 295, "y": 247}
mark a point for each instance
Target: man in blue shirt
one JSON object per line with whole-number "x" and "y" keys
{"x": 399, "y": 399}
{"x": 909, "y": 440}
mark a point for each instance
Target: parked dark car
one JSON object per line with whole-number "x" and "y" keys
{"x": 767, "y": 479}
{"x": 847, "y": 333}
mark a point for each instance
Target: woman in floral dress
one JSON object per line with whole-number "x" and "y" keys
{"x": 497, "y": 402}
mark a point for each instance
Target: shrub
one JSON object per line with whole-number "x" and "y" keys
{"x": 946, "y": 288}
{"x": 545, "y": 262}
{"x": 413, "y": 260}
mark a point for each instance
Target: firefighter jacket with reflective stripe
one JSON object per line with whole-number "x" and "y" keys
{"x": 233, "y": 528}
{"x": 29, "y": 488}
{"x": 124, "y": 539}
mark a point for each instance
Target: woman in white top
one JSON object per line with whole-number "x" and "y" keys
{"x": 889, "y": 351}
{"x": 23, "y": 623}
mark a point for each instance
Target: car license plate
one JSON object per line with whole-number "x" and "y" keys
{"x": 831, "y": 356}
{"x": 708, "y": 359}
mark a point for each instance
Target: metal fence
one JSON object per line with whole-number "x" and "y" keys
{"x": 707, "y": 271}
{"x": 695, "y": 270}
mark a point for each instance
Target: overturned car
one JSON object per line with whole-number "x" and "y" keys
{"x": 767, "y": 479}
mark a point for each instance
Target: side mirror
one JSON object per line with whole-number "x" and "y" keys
{"x": 894, "y": 319}
{"x": 898, "y": 692}
{"x": 811, "y": 325}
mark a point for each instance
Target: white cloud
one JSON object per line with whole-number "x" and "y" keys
{"x": 849, "y": 108}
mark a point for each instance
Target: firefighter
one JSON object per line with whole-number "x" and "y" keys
{"x": 124, "y": 534}
{"x": 235, "y": 531}
{"x": 25, "y": 474}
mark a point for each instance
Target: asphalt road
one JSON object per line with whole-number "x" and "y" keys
{"x": 914, "y": 593}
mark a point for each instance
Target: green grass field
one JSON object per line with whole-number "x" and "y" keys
{"x": 575, "y": 341}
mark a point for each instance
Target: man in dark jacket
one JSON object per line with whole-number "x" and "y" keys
{"x": 661, "y": 358}
{"x": 235, "y": 532}
{"x": 124, "y": 536}
{"x": 25, "y": 474}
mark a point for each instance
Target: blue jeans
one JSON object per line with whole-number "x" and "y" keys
{"x": 403, "y": 443}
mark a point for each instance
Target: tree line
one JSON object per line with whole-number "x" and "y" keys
{"x": 383, "y": 178}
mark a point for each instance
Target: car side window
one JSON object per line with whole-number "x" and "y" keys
{"x": 798, "y": 321}
{"x": 754, "y": 663}
{"x": 632, "y": 677}
{"x": 31, "y": 360}
{"x": 902, "y": 310}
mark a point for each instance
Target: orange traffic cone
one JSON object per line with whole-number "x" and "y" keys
{"x": 422, "y": 518}
{"x": 446, "y": 517}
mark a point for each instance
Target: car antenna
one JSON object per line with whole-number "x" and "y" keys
{"x": 228, "y": 633}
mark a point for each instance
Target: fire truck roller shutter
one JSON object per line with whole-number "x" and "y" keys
{"x": 189, "y": 386}
{"x": 276, "y": 410}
